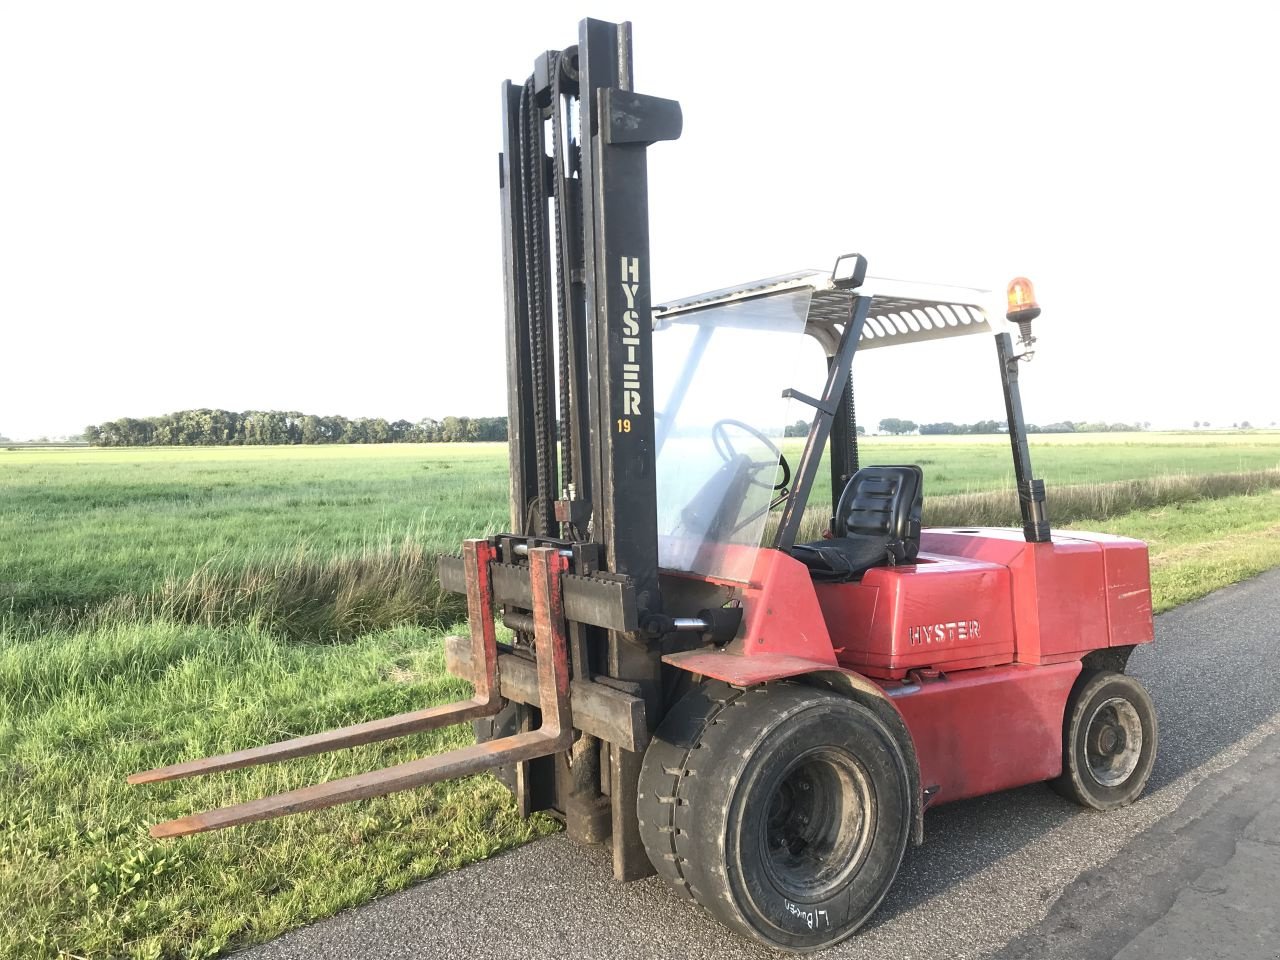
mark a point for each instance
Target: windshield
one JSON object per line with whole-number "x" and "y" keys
{"x": 719, "y": 374}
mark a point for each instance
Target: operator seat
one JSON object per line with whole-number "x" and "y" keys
{"x": 877, "y": 522}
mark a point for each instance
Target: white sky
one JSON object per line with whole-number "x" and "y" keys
{"x": 294, "y": 205}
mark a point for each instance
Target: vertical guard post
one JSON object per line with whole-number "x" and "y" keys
{"x": 1031, "y": 502}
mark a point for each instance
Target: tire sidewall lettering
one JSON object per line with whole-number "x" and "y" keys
{"x": 788, "y": 915}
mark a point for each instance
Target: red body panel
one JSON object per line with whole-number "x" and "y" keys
{"x": 995, "y": 625}
{"x": 980, "y": 731}
{"x": 1065, "y": 602}
{"x": 974, "y": 732}
{"x": 780, "y": 611}
{"x": 940, "y": 613}
{"x": 1127, "y": 579}
{"x": 742, "y": 671}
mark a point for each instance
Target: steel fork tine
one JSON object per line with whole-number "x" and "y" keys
{"x": 476, "y": 555}
{"x": 554, "y": 736}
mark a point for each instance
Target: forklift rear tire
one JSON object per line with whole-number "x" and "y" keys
{"x": 1109, "y": 741}
{"x": 784, "y": 810}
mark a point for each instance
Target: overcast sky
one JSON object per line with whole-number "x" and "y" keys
{"x": 294, "y": 205}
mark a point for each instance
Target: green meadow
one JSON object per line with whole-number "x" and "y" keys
{"x": 162, "y": 604}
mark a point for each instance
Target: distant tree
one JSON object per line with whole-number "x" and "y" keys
{"x": 798, "y": 429}
{"x": 939, "y": 429}
{"x": 312, "y": 429}
{"x": 489, "y": 429}
{"x": 862, "y": 431}
{"x": 1196, "y": 425}
{"x": 357, "y": 431}
{"x": 293, "y": 426}
{"x": 271, "y": 426}
{"x": 897, "y": 427}
{"x": 428, "y": 430}
{"x": 1245, "y": 425}
{"x": 454, "y": 429}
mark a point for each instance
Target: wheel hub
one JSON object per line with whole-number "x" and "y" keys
{"x": 1113, "y": 741}
{"x": 819, "y": 823}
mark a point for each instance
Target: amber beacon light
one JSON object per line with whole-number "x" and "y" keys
{"x": 1023, "y": 308}
{"x": 1022, "y": 301}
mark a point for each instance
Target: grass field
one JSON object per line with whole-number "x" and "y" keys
{"x": 162, "y": 604}
{"x": 80, "y": 527}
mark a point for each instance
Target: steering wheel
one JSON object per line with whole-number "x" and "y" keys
{"x": 724, "y": 446}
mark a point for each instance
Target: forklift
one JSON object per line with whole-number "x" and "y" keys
{"x": 659, "y": 659}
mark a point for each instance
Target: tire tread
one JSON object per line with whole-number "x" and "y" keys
{"x": 676, "y": 805}
{"x": 1070, "y": 783}
{"x": 659, "y": 810}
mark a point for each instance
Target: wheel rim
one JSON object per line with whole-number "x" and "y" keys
{"x": 820, "y": 823}
{"x": 1113, "y": 741}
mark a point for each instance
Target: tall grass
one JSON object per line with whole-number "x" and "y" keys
{"x": 305, "y": 595}
{"x": 314, "y": 595}
{"x": 78, "y": 528}
{"x": 1074, "y": 503}
{"x": 1097, "y": 501}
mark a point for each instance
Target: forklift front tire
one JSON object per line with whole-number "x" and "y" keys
{"x": 784, "y": 810}
{"x": 1109, "y": 741}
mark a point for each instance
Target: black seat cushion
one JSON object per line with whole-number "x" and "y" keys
{"x": 882, "y": 502}
{"x": 877, "y": 522}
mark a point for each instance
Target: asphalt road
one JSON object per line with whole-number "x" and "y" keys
{"x": 1191, "y": 870}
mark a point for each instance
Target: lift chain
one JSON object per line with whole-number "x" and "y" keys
{"x": 565, "y": 286}
{"x": 533, "y": 157}
{"x": 853, "y": 433}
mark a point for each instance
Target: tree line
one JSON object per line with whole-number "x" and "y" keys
{"x": 801, "y": 429}
{"x": 208, "y": 428}
{"x": 898, "y": 427}
{"x": 1002, "y": 426}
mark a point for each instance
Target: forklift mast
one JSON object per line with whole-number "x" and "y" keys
{"x": 574, "y": 164}
{"x": 580, "y": 388}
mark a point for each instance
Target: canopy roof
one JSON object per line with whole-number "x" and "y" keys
{"x": 901, "y": 311}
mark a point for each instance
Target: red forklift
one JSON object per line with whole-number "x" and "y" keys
{"x": 659, "y": 658}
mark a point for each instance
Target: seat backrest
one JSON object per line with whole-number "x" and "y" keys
{"x": 884, "y": 503}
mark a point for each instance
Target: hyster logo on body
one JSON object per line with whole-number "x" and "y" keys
{"x": 949, "y": 632}
{"x": 631, "y": 338}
